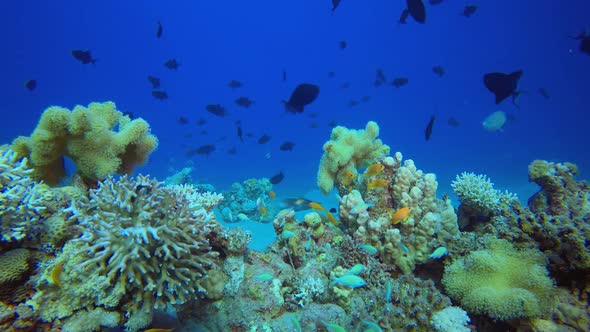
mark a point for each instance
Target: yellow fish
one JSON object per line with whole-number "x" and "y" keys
{"x": 331, "y": 218}
{"x": 262, "y": 209}
{"x": 377, "y": 183}
{"x": 317, "y": 206}
{"x": 374, "y": 169}
{"x": 347, "y": 177}
{"x": 55, "y": 276}
{"x": 400, "y": 215}
{"x": 272, "y": 194}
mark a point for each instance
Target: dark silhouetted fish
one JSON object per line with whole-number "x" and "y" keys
{"x": 154, "y": 81}
{"x": 244, "y": 102}
{"x": 345, "y": 85}
{"x": 303, "y": 95}
{"x": 453, "y": 122}
{"x": 313, "y": 115}
{"x": 172, "y": 64}
{"x": 160, "y": 94}
{"x": 234, "y": 84}
{"x": 239, "y": 131}
{"x": 543, "y": 92}
{"x": 584, "y": 39}
{"x": 379, "y": 77}
{"x": 159, "y": 30}
{"x": 332, "y": 124}
{"x": 469, "y": 10}
{"x": 333, "y": 210}
{"x": 400, "y": 81}
{"x": 129, "y": 114}
{"x": 503, "y": 85}
{"x": 417, "y": 10}
{"x": 287, "y": 146}
{"x": 201, "y": 121}
{"x": 365, "y": 99}
{"x": 83, "y": 56}
{"x": 284, "y": 75}
{"x": 206, "y": 150}
{"x": 182, "y": 120}
{"x": 439, "y": 71}
{"x": 428, "y": 130}
{"x": 353, "y": 103}
{"x": 249, "y": 134}
{"x": 331, "y": 74}
{"x": 335, "y": 4}
{"x": 232, "y": 151}
{"x": 435, "y": 2}
{"x": 217, "y": 110}
{"x": 277, "y": 178}
{"x": 263, "y": 139}
{"x": 342, "y": 44}
{"x": 31, "y": 84}
{"x": 204, "y": 132}
{"x": 314, "y": 125}
{"x": 403, "y": 17}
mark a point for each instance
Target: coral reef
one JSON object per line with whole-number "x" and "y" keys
{"x": 87, "y": 136}
{"x": 244, "y": 201}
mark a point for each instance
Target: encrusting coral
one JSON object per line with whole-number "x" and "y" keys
{"x": 87, "y": 136}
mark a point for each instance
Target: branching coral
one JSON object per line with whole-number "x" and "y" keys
{"x": 87, "y": 136}
{"x": 477, "y": 194}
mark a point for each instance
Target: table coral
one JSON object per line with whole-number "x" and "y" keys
{"x": 87, "y": 136}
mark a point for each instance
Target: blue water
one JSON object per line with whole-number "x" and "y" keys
{"x": 253, "y": 41}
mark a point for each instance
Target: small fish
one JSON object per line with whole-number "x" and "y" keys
{"x": 403, "y": 247}
{"x": 356, "y": 269}
{"x": 388, "y": 289}
{"x": 272, "y": 194}
{"x": 297, "y": 204}
{"x": 400, "y": 81}
{"x": 234, "y": 84}
{"x": 429, "y": 126}
{"x": 453, "y": 122}
{"x": 360, "y": 207}
{"x": 403, "y": 17}
{"x": 309, "y": 242}
{"x": 217, "y": 110}
{"x": 332, "y": 124}
{"x": 263, "y": 139}
{"x": 417, "y": 10}
{"x": 345, "y": 85}
{"x": 206, "y": 150}
{"x": 31, "y": 84}
{"x": 353, "y": 103}
{"x": 265, "y": 277}
{"x": 239, "y": 131}
{"x": 333, "y": 210}
{"x": 277, "y": 178}
{"x": 331, "y": 74}
{"x": 335, "y": 4}
{"x": 342, "y": 44}
{"x": 232, "y": 151}
{"x": 369, "y": 249}
{"x": 346, "y": 177}
{"x": 171, "y": 64}
{"x": 263, "y": 210}
{"x": 244, "y": 102}
{"x": 333, "y": 327}
{"x": 160, "y": 95}
{"x": 439, "y": 71}
{"x": 331, "y": 218}
{"x": 494, "y": 121}
{"x": 503, "y": 85}
{"x": 377, "y": 184}
{"x": 316, "y": 206}
{"x": 372, "y": 326}
{"x": 350, "y": 281}
{"x": 435, "y": 2}
{"x": 374, "y": 169}
{"x": 182, "y": 120}
{"x": 303, "y": 95}
{"x": 287, "y": 146}
{"x": 438, "y": 253}
{"x": 159, "y": 30}
{"x": 379, "y": 77}
{"x": 543, "y": 92}
{"x": 154, "y": 81}
{"x": 296, "y": 324}
{"x": 129, "y": 114}
{"x": 201, "y": 121}
{"x": 83, "y": 56}
{"x": 401, "y": 215}
{"x": 284, "y": 75}
{"x": 365, "y": 99}
{"x": 469, "y": 10}
{"x": 55, "y": 276}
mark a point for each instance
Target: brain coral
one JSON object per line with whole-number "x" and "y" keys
{"x": 147, "y": 239}
{"x": 501, "y": 282}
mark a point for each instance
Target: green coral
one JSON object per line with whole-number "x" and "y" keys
{"x": 501, "y": 282}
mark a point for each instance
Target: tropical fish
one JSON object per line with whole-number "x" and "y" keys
{"x": 239, "y": 131}
{"x": 287, "y": 234}
{"x": 388, "y": 289}
{"x": 400, "y": 81}
{"x": 263, "y": 210}
{"x": 303, "y": 95}
{"x": 369, "y": 249}
{"x": 438, "y": 253}
{"x": 171, "y": 64}
{"x": 55, "y": 276}
{"x": 160, "y": 94}
{"x": 335, "y": 4}
{"x": 217, "y": 110}
{"x": 372, "y": 326}
{"x": 287, "y": 146}
{"x": 374, "y": 169}
{"x": 469, "y": 10}
{"x": 159, "y": 30}
{"x": 403, "y": 247}
{"x": 543, "y": 92}
{"x": 453, "y": 122}
{"x": 297, "y": 204}
{"x": 272, "y": 194}
{"x": 346, "y": 177}
{"x": 316, "y": 206}
{"x": 244, "y": 102}
{"x": 503, "y": 85}
{"x": 377, "y": 184}
{"x": 417, "y": 10}
{"x": 235, "y": 84}
{"x": 356, "y": 269}
{"x": 31, "y": 84}
{"x": 331, "y": 218}
{"x": 296, "y": 324}
{"x": 333, "y": 327}
{"x": 154, "y": 81}
{"x": 309, "y": 242}
{"x": 206, "y": 149}
{"x": 401, "y": 215}
{"x": 429, "y": 126}
{"x": 360, "y": 207}
{"x": 263, "y": 139}
{"x": 403, "y": 17}
{"x": 494, "y": 121}
{"x": 350, "y": 281}
{"x": 182, "y": 120}
{"x": 83, "y": 56}
{"x": 342, "y": 44}
{"x": 265, "y": 277}
{"x": 277, "y": 178}
{"x": 439, "y": 71}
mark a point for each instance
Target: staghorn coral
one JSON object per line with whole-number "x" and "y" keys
{"x": 87, "y": 136}
{"x": 478, "y": 196}
{"x": 143, "y": 246}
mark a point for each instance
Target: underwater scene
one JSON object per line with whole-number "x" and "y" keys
{"x": 312, "y": 165}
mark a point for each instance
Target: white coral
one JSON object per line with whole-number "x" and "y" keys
{"x": 450, "y": 319}
{"x": 308, "y": 290}
{"x": 477, "y": 193}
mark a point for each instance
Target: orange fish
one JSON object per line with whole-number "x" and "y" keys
{"x": 377, "y": 183}
{"x": 374, "y": 169}
{"x": 347, "y": 177}
{"x": 400, "y": 215}
{"x": 262, "y": 209}
{"x": 272, "y": 194}
{"x": 317, "y": 206}
{"x": 55, "y": 276}
{"x": 331, "y": 218}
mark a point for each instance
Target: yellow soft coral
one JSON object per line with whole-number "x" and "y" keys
{"x": 349, "y": 149}
{"x": 87, "y": 136}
